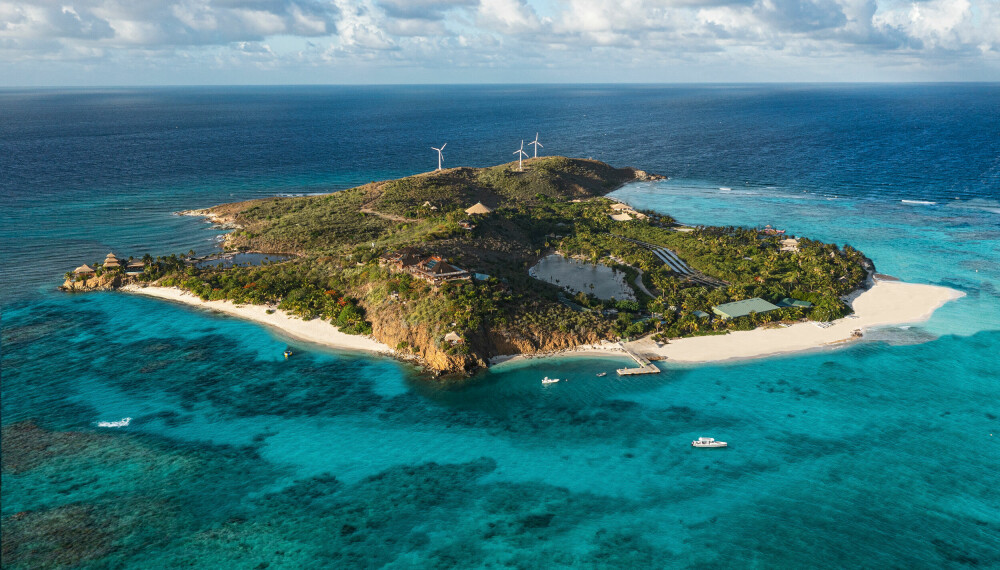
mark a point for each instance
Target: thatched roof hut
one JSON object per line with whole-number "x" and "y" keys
{"x": 478, "y": 208}
{"x": 111, "y": 261}
{"x": 84, "y": 270}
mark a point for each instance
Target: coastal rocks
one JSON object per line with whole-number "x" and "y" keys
{"x": 103, "y": 282}
{"x": 643, "y": 176}
{"x": 421, "y": 342}
{"x": 530, "y": 342}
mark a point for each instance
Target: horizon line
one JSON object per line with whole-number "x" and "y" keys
{"x": 489, "y": 84}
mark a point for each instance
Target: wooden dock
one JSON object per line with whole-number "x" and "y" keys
{"x": 645, "y": 366}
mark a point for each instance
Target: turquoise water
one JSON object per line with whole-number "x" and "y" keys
{"x": 875, "y": 455}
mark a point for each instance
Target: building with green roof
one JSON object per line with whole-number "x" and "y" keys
{"x": 743, "y": 308}
{"x": 789, "y": 302}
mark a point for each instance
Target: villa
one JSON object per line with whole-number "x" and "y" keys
{"x": 437, "y": 270}
{"x": 743, "y": 308}
{"x": 433, "y": 269}
{"x": 624, "y": 213}
{"x": 790, "y": 244}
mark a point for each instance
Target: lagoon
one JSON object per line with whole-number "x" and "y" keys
{"x": 581, "y": 276}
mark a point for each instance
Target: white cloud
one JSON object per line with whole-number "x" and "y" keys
{"x": 652, "y": 38}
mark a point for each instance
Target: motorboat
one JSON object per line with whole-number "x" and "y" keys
{"x": 548, "y": 380}
{"x": 708, "y": 442}
{"x": 120, "y": 423}
{"x": 602, "y": 374}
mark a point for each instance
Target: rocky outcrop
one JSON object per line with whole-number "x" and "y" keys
{"x": 499, "y": 343}
{"x": 424, "y": 344}
{"x": 103, "y": 282}
{"x": 643, "y": 176}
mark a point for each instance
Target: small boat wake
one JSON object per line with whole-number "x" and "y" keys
{"x": 120, "y": 423}
{"x": 920, "y": 202}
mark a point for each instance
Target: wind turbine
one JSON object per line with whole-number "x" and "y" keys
{"x": 440, "y": 156}
{"x": 537, "y": 144}
{"x": 520, "y": 154}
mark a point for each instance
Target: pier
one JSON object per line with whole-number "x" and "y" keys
{"x": 645, "y": 366}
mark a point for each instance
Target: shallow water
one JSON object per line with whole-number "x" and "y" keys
{"x": 879, "y": 454}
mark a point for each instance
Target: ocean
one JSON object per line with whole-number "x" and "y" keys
{"x": 884, "y": 453}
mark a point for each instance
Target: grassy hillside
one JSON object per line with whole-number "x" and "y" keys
{"x": 376, "y": 210}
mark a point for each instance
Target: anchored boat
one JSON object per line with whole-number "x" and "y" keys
{"x": 708, "y": 442}
{"x": 120, "y": 423}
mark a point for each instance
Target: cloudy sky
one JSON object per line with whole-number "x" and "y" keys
{"x": 139, "y": 42}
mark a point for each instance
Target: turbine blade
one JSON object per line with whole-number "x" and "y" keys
{"x": 444, "y": 145}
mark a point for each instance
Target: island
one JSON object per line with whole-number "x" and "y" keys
{"x": 463, "y": 267}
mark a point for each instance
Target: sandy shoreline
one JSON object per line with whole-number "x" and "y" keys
{"x": 316, "y": 330}
{"x": 886, "y": 303}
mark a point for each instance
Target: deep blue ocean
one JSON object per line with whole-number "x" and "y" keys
{"x": 884, "y": 454}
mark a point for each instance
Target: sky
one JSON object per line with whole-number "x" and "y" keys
{"x": 263, "y": 42}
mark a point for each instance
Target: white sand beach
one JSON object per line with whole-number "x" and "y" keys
{"x": 316, "y": 330}
{"x": 885, "y": 303}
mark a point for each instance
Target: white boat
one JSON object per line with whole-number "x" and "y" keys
{"x": 708, "y": 442}
{"x": 120, "y": 423}
{"x": 602, "y": 374}
{"x": 548, "y": 380}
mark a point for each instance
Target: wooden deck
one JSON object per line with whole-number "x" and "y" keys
{"x": 645, "y": 366}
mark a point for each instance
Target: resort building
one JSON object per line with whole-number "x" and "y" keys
{"x": 437, "y": 270}
{"x": 433, "y": 268}
{"x": 743, "y": 308}
{"x": 84, "y": 271}
{"x": 134, "y": 267}
{"x": 790, "y": 244}
{"x": 453, "y": 338}
{"x": 624, "y": 212}
{"x": 478, "y": 209}
{"x": 111, "y": 262}
{"x": 401, "y": 259}
{"x": 789, "y": 302}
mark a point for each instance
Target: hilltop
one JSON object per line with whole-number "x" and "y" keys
{"x": 403, "y": 261}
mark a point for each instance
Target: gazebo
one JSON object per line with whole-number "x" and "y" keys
{"x": 478, "y": 208}
{"x": 84, "y": 271}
